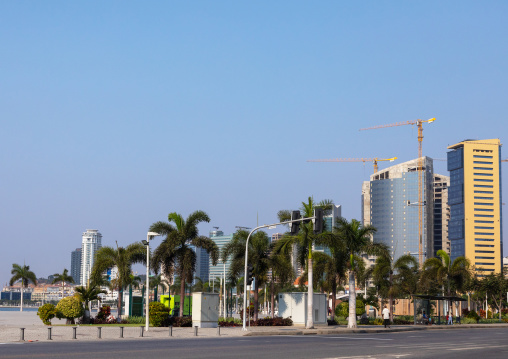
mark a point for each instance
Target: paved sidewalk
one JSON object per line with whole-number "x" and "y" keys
{"x": 36, "y": 331}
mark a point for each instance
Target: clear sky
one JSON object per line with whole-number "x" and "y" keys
{"x": 115, "y": 113}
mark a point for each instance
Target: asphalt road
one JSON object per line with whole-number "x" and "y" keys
{"x": 461, "y": 343}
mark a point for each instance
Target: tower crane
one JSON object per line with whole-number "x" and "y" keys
{"x": 419, "y": 123}
{"x": 373, "y": 160}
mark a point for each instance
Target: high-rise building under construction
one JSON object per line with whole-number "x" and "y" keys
{"x": 390, "y": 203}
{"x": 474, "y": 196}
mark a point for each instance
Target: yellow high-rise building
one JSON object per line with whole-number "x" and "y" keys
{"x": 474, "y": 196}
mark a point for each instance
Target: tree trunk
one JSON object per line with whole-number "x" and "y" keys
{"x": 391, "y": 297}
{"x": 21, "y": 307}
{"x": 352, "y": 301}
{"x": 182, "y": 294}
{"x": 256, "y": 299}
{"x": 272, "y": 301}
{"x": 119, "y": 310}
{"x": 334, "y": 300}
{"x": 310, "y": 295}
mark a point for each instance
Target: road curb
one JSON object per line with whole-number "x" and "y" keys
{"x": 370, "y": 330}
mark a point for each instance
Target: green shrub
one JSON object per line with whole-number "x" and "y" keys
{"x": 159, "y": 314}
{"x": 46, "y": 313}
{"x": 378, "y": 321}
{"x": 342, "y": 310}
{"x": 180, "y": 321}
{"x": 273, "y": 322}
{"x": 70, "y": 308}
{"x": 473, "y": 315}
{"x": 136, "y": 320}
{"x": 467, "y": 320}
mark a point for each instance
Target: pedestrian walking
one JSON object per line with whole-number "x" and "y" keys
{"x": 386, "y": 317}
{"x": 450, "y": 318}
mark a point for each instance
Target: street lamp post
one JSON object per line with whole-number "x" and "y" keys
{"x": 149, "y": 236}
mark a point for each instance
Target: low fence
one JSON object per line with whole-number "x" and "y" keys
{"x": 86, "y": 332}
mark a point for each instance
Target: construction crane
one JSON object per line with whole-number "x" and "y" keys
{"x": 419, "y": 123}
{"x": 373, "y": 160}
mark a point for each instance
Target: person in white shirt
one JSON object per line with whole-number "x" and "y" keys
{"x": 386, "y": 317}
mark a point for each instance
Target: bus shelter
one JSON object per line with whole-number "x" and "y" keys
{"x": 423, "y": 303}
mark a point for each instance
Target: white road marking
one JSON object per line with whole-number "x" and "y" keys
{"x": 484, "y": 347}
{"x": 357, "y": 338}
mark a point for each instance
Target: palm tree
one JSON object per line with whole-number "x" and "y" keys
{"x": 62, "y": 277}
{"x": 282, "y": 274}
{"x": 304, "y": 241}
{"x": 356, "y": 240}
{"x": 86, "y": 295}
{"x": 259, "y": 253}
{"x": 122, "y": 259}
{"x": 156, "y": 282}
{"x": 175, "y": 252}
{"x": 384, "y": 274}
{"x": 452, "y": 276}
{"x": 24, "y": 274}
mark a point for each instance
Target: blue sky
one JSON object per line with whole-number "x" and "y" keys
{"x": 116, "y": 113}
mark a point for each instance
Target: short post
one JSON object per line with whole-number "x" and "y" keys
{"x": 170, "y": 330}
{"x": 196, "y": 331}
{"x": 74, "y": 332}
{"x": 21, "y": 334}
{"x": 218, "y": 330}
{"x": 141, "y": 332}
{"x": 49, "y": 333}
{"x": 121, "y": 332}
{"x": 99, "y": 332}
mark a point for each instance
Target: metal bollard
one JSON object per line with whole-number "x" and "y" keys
{"x": 196, "y": 331}
{"x": 74, "y": 332}
{"x": 170, "y": 330}
{"x": 141, "y": 331}
{"x": 22, "y": 334}
{"x": 99, "y": 332}
{"x": 218, "y": 330}
{"x": 121, "y": 332}
{"x": 49, "y": 333}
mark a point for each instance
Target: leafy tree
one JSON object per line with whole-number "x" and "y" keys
{"x": 496, "y": 286}
{"x": 356, "y": 240}
{"x": 259, "y": 253}
{"x": 24, "y": 274}
{"x": 62, "y": 277}
{"x": 175, "y": 252}
{"x": 46, "y": 312}
{"x": 304, "y": 242}
{"x": 122, "y": 259}
{"x": 70, "y": 308}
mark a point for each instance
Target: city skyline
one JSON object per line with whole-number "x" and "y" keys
{"x": 116, "y": 114}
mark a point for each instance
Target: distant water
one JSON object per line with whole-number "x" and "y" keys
{"x": 14, "y": 309}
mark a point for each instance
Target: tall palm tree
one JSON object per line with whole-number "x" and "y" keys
{"x": 24, "y": 274}
{"x": 122, "y": 259}
{"x": 259, "y": 253}
{"x": 356, "y": 240}
{"x": 175, "y": 254}
{"x": 304, "y": 242}
{"x": 62, "y": 277}
{"x": 452, "y": 276}
{"x": 384, "y": 274}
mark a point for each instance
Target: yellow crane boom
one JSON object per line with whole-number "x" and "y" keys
{"x": 373, "y": 160}
{"x": 419, "y": 123}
